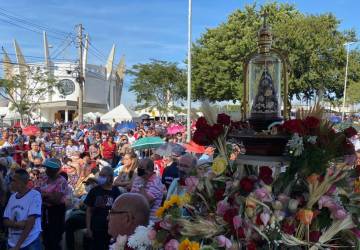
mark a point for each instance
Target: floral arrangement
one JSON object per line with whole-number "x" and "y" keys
{"x": 312, "y": 205}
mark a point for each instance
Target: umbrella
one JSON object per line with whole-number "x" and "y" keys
{"x": 101, "y": 127}
{"x": 192, "y": 147}
{"x": 169, "y": 149}
{"x": 174, "y": 129}
{"x": 148, "y": 142}
{"x": 335, "y": 119}
{"x": 45, "y": 125}
{"x": 30, "y": 130}
{"x": 124, "y": 127}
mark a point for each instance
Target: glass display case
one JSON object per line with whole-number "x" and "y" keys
{"x": 265, "y": 86}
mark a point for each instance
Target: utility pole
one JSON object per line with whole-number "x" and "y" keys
{"x": 346, "y": 75}
{"x": 80, "y": 78}
{"x": 188, "y": 116}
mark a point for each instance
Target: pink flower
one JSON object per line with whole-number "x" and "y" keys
{"x": 222, "y": 207}
{"x": 326, "y": 201}
{"x": 172, "y": 245}
{"x": 223, "y": 241}
{"x": 262, "y": 194}
{"x": 356, "y": 231}
{"x": 331, "y": 190}
{"x": 265, "y": 217}
{"x": 152, "y": 234}
{"x": 191, "y": 183}
{"x": 340, "y": 214}
{"x": 237, "y": 221}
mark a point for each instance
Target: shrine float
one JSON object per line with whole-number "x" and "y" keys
{"x": 292, "y": 184}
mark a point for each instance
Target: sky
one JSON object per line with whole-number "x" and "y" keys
{"x": 140, "y": 29}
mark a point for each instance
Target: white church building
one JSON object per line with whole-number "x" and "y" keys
{"x": 101, "y": 90}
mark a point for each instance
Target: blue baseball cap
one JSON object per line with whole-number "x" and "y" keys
{"x": 52, "y": 163}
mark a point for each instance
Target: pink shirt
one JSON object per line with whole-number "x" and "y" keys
{"x": 60, "y": 185}
{"x": 154, "y": 188}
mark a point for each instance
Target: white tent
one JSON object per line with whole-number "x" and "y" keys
{"x": 90, "y": 116}
{"x": 119, "y": 114}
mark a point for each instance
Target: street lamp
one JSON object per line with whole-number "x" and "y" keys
{"x": 345, "y": 81}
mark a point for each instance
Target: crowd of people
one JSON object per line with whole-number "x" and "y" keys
{"x": 75, "y": 187}
{"x": 72, "y": 185}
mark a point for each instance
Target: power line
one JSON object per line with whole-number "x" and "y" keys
{"x": 12, "y": 16}
{"x": 98, "y": 51}
{"x": 36, "y": 57}
{"x": 60, "y": 45}
{"x": 61, "y": 51}
{"x": 29, "y": 29}
{"x": 97, "y": 56}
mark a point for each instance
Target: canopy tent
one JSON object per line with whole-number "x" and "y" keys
{"x": 119, "y": 114}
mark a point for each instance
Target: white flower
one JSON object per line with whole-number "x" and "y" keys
{"x": 296, "y": 144}
{"x": 119, "y": 244}
{"x": 312, "y": 139}
{"x": 140, "y": 239}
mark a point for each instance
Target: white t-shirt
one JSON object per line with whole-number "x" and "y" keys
{"x": 19, "y": 210}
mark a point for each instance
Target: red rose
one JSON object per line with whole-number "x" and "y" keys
{"x": 288, "y": 228}
{"x": 240, "y": 233}
{"x": 265, "y": 174}
{"x": 267, "y": 179}
{"x": 265, "y": 171}
{"x": 215, "y": 131}
{"x": 294, "y": 126}
{"x": 350, "y": 132}
{"x": 201, "y": 123}
{"x": 219, "y": 194}
{"x": 314, "y": 236}
{"x": 247, "y": 184}
{"x": 311, "y": 122}
{"x": 258, "y": 220}
{"x": 230, "y": 214}
{"x": 251, "y": 246}
{"x": 223, "y": 119}
{"x": 200, "y": 138}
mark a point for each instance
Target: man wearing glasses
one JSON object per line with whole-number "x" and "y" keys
{"x": 129, "y": 211}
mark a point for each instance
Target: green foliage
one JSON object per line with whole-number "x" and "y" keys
{"x": 353, "y": 83}
{"x": 24, "y": 91}
{"x": 157, "y": 84}
{"x": 312, "y": 42}
{"x": 322, "y": 220}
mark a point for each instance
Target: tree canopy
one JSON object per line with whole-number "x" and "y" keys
{"x": 313, "y": 44}
{"x": 24, "y": 91}
{"x": 157, "y": 84}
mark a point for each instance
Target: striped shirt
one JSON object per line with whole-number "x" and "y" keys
{"x": 154, "y": 188}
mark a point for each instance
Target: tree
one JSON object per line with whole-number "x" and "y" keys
{"x": 353, "y": 83}
{"x": 157, "y": 84}
{"x": 25, "y": 91}
{"x": 312, "y": 42}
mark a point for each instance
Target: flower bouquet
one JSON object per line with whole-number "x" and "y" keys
{"x": 312, "y": 205}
